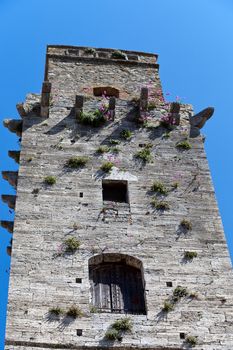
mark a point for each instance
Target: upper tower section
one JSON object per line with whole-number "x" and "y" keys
{"x": 88, "y": 71}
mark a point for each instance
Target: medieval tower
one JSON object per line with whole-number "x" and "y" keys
{"x": 117, "y": 238}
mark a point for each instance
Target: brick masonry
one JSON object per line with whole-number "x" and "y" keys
{"x": 46, "y": 215}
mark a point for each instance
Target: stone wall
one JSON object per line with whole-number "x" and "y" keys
{"x": 45, "y": 216}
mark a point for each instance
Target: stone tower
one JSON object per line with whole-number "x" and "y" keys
{"x": 117, "y": 237}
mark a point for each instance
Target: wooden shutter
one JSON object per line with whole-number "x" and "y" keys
{"x": 118, "y": 288}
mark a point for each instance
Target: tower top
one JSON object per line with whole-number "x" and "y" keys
{"x": 99, "y": 55}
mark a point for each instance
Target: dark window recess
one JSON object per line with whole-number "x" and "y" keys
{"x": 81, "y": 194}
{"x": 117, "y": 288}
{"x": 169, "y": 284}
{"x": 182, "y": 335}
{"x": 78, "y": 280}
{"x": 79, "y": 332}
{"x": 106, "y": 90}
{"x": 115, "y": 191}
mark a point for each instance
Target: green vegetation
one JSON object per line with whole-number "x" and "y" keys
{"x": 107, "y": 167}
{"x": 183, "y": 145}
{"x": 115, "y": 150}
{"x": 119, "y": 55}
{"x": 113, "y": 334}
{"x": 178, "y": 293}
{"x": 159, "y": 188}
{"x": 167, "y": 306}
{"x": 94, "y": 119}
{"x": 74, "y": 312}
{"x": 124, "y": 324}
{"x": 71, "y": 245}
{"x": 186, "y": 224}
{"x": 56, "y": 311}
{"x": 126, "y": 134}
{"x": 114, "y": 142}
{"x": 166, "y": 135}
{"x": 119, "y": 327}
{"x": 144, "y": 154}
{"x": 191, "y": 340}
{"x": 90, "y": 51}
{"x": 190, "y": 255}
{"x": 151, "y": 105}
{"x": 76, "y": 162}
{"x": 50, "y": 180}
{"x": 162, "y": 205}
{"x": 102, "y": 149}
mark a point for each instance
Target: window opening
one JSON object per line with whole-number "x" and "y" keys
{"x": 79, "y": 332}
{"x": 117, "y": 288}
{"x": 115, "y": 191}
{"x": 106, "y": 90}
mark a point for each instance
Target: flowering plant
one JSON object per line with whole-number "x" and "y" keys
{"x": 99, "y": 117}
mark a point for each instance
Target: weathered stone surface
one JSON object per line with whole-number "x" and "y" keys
{"x": 46, "y": 215}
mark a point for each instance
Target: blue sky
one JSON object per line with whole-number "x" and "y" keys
{"x": 194, "y": 42}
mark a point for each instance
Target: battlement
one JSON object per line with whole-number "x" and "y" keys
{"x": 102, "y": 54}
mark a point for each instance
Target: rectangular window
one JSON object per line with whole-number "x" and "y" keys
{"x": 115, "y": 191}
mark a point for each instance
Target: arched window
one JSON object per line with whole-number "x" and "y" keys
{"x": 106, "y": 90}
{"x": 117, "y": 284}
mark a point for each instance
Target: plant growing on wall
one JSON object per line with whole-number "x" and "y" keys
{"x": 71, "y": 244}
{"x": 191, "y": 340}
{"x": 117, "y": 54}
{"x": 102, "y": 149}
{"x": 167, "y": 306}
{"x": 183, "y": 145}
{"x": 76, "y": 162}
{"x": 107, "y": 167}
{"x": 168, "y": 121}
{"x": 50, "y": 180}
{"x": 118, "y": 328}
{"x": 178, "y": 293}
{"x": 90, "y": 51}
{"x": 161, "y": 205}
{"x": 186, "y": 225}
{"x": 126, "y": 134}
{"x": 114, "y": 142}
{"x": 56, "y": 311}
{"x": 144, "y": 155}
{"x": 159, "y": 188}
{"x": 74, "y": 312}
{"x": 97, "y": 118}
{"x": 190, "y": 255}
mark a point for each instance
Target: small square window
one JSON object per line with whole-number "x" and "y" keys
{"x": 169, "y": 284}
{"x": 78, "y": 280}
{"x": 182, "y": 335}
{"x": 81, "y": 194}
{"x": 79, "y": 332}
{"x": 115, "y": 191}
